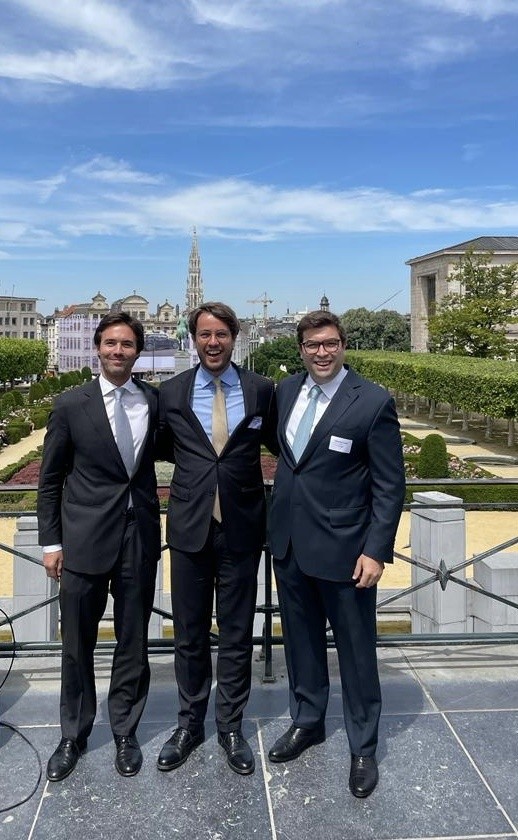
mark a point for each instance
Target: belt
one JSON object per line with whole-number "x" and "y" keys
{"x": 130, "y": 514}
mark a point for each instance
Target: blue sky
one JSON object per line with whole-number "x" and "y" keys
{"x": 315, "y": 144}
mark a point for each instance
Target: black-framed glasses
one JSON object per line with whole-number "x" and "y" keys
{"x": 330, "y": 345}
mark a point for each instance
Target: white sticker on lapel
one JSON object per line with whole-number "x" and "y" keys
{"x": 338, "y": 444}
{"x": 255, "y": 423}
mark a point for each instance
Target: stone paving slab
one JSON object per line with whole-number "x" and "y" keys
{"x": 447, "y": 761}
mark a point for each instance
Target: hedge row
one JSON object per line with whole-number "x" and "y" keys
{"x": 484, "y": 386}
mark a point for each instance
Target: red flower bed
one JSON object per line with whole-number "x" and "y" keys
{"x": 30, "y": 473}
{"x": 27, "y": 475}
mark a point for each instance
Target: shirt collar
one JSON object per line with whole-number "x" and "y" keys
{"x": 328, "y": 388}
{"x": 108, "y": 387}
{"x": 229, "y": 377}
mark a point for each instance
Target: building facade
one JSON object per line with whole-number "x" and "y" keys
{"x": 18, "y": 317}
{"x": 429, "y": 281}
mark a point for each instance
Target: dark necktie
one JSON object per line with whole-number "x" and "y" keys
{"x": 123, "y": 432}
{"x": 303, "y": 431}
{"x": 219, "y": 433}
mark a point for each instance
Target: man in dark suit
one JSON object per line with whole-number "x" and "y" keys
{"x": 336, "y": 503}
{"x": 213, "y": 420}
{"x": 99, "y": 524}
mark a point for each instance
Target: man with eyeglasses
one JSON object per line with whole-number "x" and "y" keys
{"x": 213, "y": 421}
{"x": 337, "y": 499}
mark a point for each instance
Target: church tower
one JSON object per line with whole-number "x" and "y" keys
{"x": 194, "y": 295}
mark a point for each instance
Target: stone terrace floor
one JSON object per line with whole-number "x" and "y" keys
{"x": 448, "y": 757}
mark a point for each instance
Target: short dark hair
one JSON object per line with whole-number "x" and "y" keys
{"x": 114, "y": 318}
{"x": 218, "y": 310}
{"x": 317, "y": 319}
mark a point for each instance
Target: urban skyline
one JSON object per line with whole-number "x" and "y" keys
{"x": 316, "y": 145}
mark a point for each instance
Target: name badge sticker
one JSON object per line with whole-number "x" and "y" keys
{"x": 338, "y": 444}
{"x": 255, "y": 423}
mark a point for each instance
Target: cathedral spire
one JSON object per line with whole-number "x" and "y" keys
{"x": 194, "y": 295}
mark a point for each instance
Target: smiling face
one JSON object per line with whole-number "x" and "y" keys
{"x": 214, "y": 343}
{"x": 117, "y": 353}
{"x": 324, "y": 364}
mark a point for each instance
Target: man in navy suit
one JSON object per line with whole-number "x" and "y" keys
{"x": 336, "y": 504}
{"x": 215, "y": 529}
{"x": 99, "y": 524}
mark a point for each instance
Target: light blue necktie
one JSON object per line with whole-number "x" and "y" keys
{"x": 303, "y": 431}
{"x": 123, "y": 432}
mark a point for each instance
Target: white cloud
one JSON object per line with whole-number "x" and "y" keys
{"x": 106, "y": 198}
{"x": 272, "y": 46}
{"x": 109, "y": 171}
{"x": 483, "y": 9}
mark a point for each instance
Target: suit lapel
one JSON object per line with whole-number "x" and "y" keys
{"x": 290, "y": 392}
{"x": 185, "y": 408}
{"x": 344, "y": 398}
{"x": 96, "y": 411}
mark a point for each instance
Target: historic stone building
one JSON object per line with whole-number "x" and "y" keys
{"x": 194, "y": 295}
{"x": 429, "y": 278}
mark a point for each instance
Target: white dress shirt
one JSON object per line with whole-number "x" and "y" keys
{"x": 328, "y": 389}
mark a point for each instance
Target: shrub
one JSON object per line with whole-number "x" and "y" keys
{"x": 8, "y": 401}
{"x": 13, "y": 434}
{"x": 433, "y": 458}
{"x": 39, "y": 417}
{"x": 36, "y": 392}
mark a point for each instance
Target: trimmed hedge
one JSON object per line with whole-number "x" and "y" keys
{"x": 433, "y": 458}
{"x": 485, "y": 386}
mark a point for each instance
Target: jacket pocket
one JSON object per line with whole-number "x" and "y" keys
{"x": 179, "y": 492}
{"x": 343, "y": 517}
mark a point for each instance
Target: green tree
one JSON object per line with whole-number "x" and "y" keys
{"x": 473, "y": 319}
{"x": 383, "y": 330}
{"x": 86, "y": 373}
{"x": 22, "y": 357}
{"x": 272, "y": 354}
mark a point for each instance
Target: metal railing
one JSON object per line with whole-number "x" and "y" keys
{"x": 268, "y": 639}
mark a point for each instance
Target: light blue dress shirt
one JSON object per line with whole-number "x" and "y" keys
{"x": 203, "y": 394}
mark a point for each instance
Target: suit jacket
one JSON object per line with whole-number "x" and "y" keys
{"x": 84, "y": 487}
{"x": 198, "y": 469}
{"x": 345, "y": 495}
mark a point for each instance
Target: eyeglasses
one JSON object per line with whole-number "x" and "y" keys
{"x": 330, "y": 345}
{"x": 219, "y": 335}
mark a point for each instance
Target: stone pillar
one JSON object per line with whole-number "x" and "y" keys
{"x": 498, "y": 574}
{"x": 31, "y": 585}
{"x": 438, "y": 538}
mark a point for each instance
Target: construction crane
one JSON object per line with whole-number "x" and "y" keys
{"x": 265, "y": 300}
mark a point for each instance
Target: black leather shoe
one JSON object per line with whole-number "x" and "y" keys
{"x": 239, "y": 755}
{"x": 64, "y": 759}
{"x": 363, "y": 777}
{"x": 179, "y": 747}
{"x": 128, "y": 759}
{"x": 295, "y": 741}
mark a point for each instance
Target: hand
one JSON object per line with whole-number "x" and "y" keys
{"x": 367, "y": 572}
{"x": 53, "y": 562}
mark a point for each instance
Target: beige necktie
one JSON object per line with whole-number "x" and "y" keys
{"x": 219, "y": 433}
